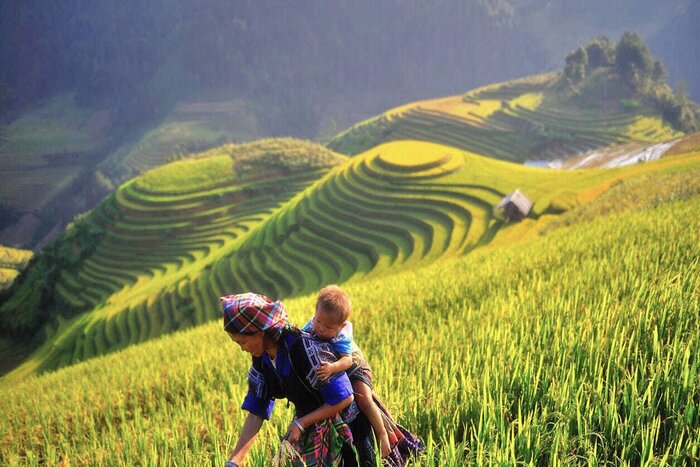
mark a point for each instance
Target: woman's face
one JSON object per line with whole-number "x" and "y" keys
{"x": 254, "y": 344}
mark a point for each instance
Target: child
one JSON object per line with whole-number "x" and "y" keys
{"x": 330, "y": 323}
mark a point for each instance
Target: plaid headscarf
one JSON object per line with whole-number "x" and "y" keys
{"x": 249, "y": 312}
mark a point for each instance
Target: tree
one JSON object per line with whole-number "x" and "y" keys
{"x": 688, "y": 112}
{"x": 633, "y": 61}
{"x": 677, "y": 109}
{"x": 576, "y": 63}
{"x": 658, "y": 74}
{"x": 601, "y": 53}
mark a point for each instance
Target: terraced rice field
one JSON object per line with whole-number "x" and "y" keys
{"x": 512, "y": 121}
{"x": 163, "y": 231}
{"x": 143, "y": 276}
{"x": 403, "y": 205}
{"x": 48, "y": 147}
{"x": 378, "y": 212}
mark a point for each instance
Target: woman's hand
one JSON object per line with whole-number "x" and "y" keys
{"x": 250, "y": 429}
{"x": 293, "y": 433}
{"x": 325, "y": 411}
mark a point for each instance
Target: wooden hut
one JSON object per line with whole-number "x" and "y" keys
{"x": 515, "y": 207}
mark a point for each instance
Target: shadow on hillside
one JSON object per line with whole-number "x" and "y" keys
{"x": 12, "y": 354}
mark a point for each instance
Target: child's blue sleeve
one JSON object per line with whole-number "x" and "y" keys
{"x": 342, "y": 345}
{"x": 307, "y": 327}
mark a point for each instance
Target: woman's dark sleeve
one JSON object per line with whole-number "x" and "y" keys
{"x": 258, "y": 401}
{"x": 308, "y": 354}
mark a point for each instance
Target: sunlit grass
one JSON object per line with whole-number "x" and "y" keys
{"x": 188, "y": 175}
{"x": 529, "y": 101}
{"x": 7, "y": 276}
{"x": 12, "y": 261}
{"x": 14, "y": 257}
{"x": 651, "y": 129}
{"x": 453, "y": 105}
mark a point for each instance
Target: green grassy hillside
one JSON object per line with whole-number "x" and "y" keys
{"x": 401, "y": 204}
{"x": 573, "y": 345}
{"x": 77, "y": 156}
{"x": 533, "y": 118}
{"x": 172, "y": 241}
{"x": 138, "y": 256}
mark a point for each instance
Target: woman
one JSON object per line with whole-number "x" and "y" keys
{"x": 328, "y": 428}
{"x": 283, "y": 362}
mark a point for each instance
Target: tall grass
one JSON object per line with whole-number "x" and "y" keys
{"x": 578, "y": 346}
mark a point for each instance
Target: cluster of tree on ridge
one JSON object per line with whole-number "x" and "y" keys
{"x": 640, "y": 73}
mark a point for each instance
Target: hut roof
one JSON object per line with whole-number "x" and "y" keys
{"x": 517, "y": 198}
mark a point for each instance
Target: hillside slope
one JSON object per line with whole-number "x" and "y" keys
{"x": 157, "y": 233}
{"x": 401, "y": 205}
{"x": 77, "y": 156}
{"x": 574, "y": 344}
{"x": 532, "y": 118}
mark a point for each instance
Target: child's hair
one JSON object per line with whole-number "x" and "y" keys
{"x": 334, "y": 301}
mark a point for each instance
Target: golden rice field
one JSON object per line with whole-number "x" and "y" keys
{"x": 577, "y": 345}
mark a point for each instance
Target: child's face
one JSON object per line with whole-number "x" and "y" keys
{"x": 325, "y": 326}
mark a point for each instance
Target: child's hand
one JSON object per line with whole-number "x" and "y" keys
{"x": 324, "y": 371}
